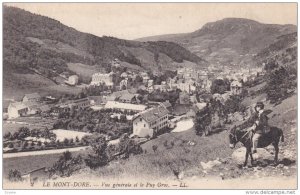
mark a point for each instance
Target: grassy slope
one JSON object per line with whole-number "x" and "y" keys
{"x": 28, "y": 163}
{"x": 185, "y": 158}
{"x": 19, "y": 84}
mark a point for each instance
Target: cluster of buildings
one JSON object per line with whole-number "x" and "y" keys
{"x": 148, "y": 119}
{"x": 30, "y": 104}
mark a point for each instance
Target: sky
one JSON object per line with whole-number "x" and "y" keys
{"x": 137, "y": 20}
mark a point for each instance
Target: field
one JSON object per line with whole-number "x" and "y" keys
{"x": 16, "y": 85}
{"x": 30, "y": 122}
{"x": 61, "y": 134}
{"x": 28, "y": 163}
{"x": 82, "y": 70}
{"x": 182, "y": 153}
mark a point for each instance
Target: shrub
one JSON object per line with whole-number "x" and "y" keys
{"x": 66, "y": 165}
{"x": 154, "y": 148}
{"x": 10, "y": 145}
{"x": 14, "y": 175}
{"x": 7, "y": 136}
{"x": 100, "y": 157}
{"x": 66, "y": 142}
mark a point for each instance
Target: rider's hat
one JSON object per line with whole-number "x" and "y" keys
{"x": 259, "y": 104}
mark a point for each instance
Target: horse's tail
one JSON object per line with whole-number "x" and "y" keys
{"x": 282, "y": 136}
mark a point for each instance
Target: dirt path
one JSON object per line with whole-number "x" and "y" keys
{"x": 42, "y": 152}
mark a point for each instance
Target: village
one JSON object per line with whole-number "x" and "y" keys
{"x": 140, "y": 104}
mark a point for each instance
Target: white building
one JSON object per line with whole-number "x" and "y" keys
{"x": 124, "y": 84}
{"x": 145, "y": 77}
{"x": 150, "y": 122}
{"x": 100, "y": 78}
{"x": 17, "y": 109}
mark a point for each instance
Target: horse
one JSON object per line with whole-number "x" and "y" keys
{"x": 271, "y": 137}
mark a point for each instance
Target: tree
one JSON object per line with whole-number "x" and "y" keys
{"x": 8, "y": 136}
{"x": 154, "y": 148}
{"x": 66, "y": 165}
{"x": 202, "y": 120}
{"x": 23, "y": 133}
{"x": 10, "y": 145}
{"x": 280, "y": 81}
{"x": 25, "y": 144}
{"x": 14, "y": 175}
{"x": 128, "y": 146}
{"x": 66, "y": 141}
{"x": 123, "y": 118}
{"x": 138, "y": 79}
{"x": 100, "y": 158}
{"x": 234, "y": 104}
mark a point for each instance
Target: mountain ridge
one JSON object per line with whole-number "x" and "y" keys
{"x": 230, "y": 40}
{"x": 35, "y": 42}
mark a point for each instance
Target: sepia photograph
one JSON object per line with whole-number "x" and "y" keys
{"x": 99, "y": 96}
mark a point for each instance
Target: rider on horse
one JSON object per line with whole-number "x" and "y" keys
{"x": 260, "y": 125}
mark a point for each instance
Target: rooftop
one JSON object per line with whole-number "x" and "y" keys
{"x": 18, "y": 105}
{"x": 153, "y": 114}
{"x": 125, "y": 106}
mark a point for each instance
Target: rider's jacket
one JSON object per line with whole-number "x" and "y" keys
{"x": 260, "y": 121}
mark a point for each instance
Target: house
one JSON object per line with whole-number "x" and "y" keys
{"x": 33, "y": 107}
{"x": 162, "y": 88}
{"x": 96, "y": 100}
{"x": 124, "y": 75}
{"x": 124, "y": 106}
{"x": 32, "y": 97}
{"x": 100, "y": 78}
{"x": 236, "y": 87}
{"x": 79, "y": 103}
{"x": 17, "y": 109}
{"x": 33, "y": 176}
{"x": 73, "y": 80}
{"x": 44, "y": 108}
{"x": 150, "y": 122}
{"x": 127, "y": 98}
{"x": 145, "y": 77}
{"x": 124, "y": 84}
{"x": 116, "y": 95}
{"x": 166, "y": 104}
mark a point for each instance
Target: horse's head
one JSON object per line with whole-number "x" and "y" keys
{"x": 233, "y": 137}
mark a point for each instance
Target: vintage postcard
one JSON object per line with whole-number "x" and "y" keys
{"x": 149, "y": 96}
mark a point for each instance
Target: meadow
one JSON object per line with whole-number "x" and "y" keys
{"x": 29, "y": 163}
